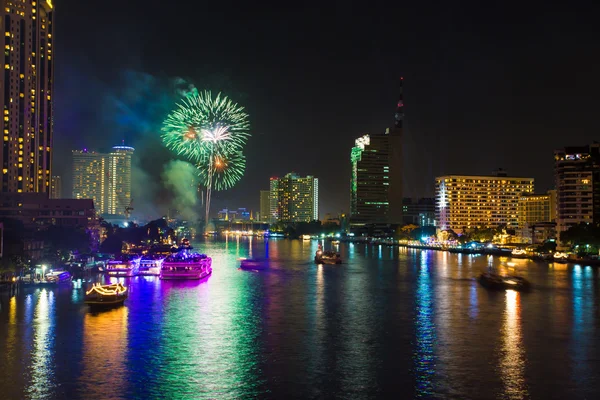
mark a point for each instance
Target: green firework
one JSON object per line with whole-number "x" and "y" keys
{"x": 227, "y": 169}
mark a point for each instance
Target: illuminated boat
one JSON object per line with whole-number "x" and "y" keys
{"x": 186, "y": 265}
{"x": 560, "y": 257}
{"x": 122, "y": 267}
{"x": 253, "y": 264}
{"x": 494, "y": 281}
{"x": 519, "y": 253}
{"x": 150, "y": 265}
{"x": 327, "y": 257}
{"x": 58, "y": 276}
{"x": 106, "y": 295}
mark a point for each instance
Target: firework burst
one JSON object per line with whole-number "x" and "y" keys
{"x": 227, "y": 171}
{"x": 210, "y": 132}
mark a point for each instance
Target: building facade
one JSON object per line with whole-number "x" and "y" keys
{"x": 468, "y": 202}
{"x": 419, "y": 212}
{"x": 26, "y": 98}
{"x": 56, "y": 187}
{"x": 577, "y": 179}
{"x": 376, "y": 179}
{"x": 273, "y": 200}
{"x": 265, "y": 205}
{"x": 537, "y": 215}
{"x": 104, "y": 178}
{"x": 297, "y": 198}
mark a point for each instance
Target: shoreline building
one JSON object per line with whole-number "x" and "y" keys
{"x": 477, "y": 201}
{"x": 27, "y": 96}
{"x": 104, "y": 178}
{"x": 376, "y": 180}
{"x": 265, "y": 205}
{"x": 577, "y": 179}
{"x": 420, "y": 212}
{"x": 294, "y": 198}
{"x": 537, "y": 215}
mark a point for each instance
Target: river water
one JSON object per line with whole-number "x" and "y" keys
{"x": 389, "y": 321}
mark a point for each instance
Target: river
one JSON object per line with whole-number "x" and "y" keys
{"x": 389, "y": 321}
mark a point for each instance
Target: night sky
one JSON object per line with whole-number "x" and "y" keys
{"x": 486, "y": 85}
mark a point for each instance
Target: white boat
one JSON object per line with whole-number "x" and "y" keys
{"x": 150, "y": 265}
{"x": 122, "y": 267}
{"x": 186, "y": 265}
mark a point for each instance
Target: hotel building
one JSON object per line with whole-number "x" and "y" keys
{"x": 465, "y": 201}
{"x": 297, "y": 198}
{"x": 577, "y": 179}
{"x": 104, "y": 178}
{"x": 26, "y": 97}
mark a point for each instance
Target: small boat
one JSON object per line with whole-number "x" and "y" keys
{"x": 106, "y": 295}
{"x": 519, "y": 253}
{"x": 58, "y": 276}
{"x": 150, "y": 265}
{"x": 253, "y": 264}
{"x": 122, "y": 267}
{"x": 327, "y": 257}
{"x": 561, "y": 257}
{"x": 494, "y": 281}
{"x": 186, "y": 265}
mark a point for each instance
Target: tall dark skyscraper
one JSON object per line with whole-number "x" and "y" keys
{"x": 26, "y": 95}
{"x": 376, "y": 182}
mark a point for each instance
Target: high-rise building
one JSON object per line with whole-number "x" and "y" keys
{"x": 273, "y": 200}
{"x": 376, "y": 181}
{"x": 465, "y": 201}
{"x": 27, "y": 95}
{"x": 56, "y": 187}
{"x": 265, "y": 205}
{"x": 119, "y": 179}
{"x": 577, "y": 178}
{"x": 105, "y": 178}
{"x": 297, "y": 198}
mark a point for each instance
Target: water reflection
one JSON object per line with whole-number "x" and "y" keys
{"x": 42, "y": 365}
{"x": 424, "y": 358}
{"x": 512, "y": 363}
{"x": 105, "y": 343}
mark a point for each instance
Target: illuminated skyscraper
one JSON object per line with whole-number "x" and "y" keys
{"x": 273, "y": 200}
{"x": 119, "y": 179}
{"x": 297, "y": 198}
{"x": 105, "y": 178}
{"x": 27, "y": 95}
{"x": 376, "y": 181}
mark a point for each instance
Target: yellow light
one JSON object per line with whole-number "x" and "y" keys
{"x": 20, "y": 178}
{"x": 5, "y": 170}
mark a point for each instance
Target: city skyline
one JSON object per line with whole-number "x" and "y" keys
{"x": 462, "y": 117}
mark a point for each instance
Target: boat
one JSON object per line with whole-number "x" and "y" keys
{"x": 186, "y": 265}
{"x": 150, "y": 265}
{"x": 494, "y": 281}
{"x": 106, "y": 295}
{"x": 58, "y": 276}
{"x": 519, "y": 253}
{"x": 327, "y": 257}
{"x": 253, "y": 263}
{"x": 122, "y": 267}
{"x": 560, "y": 257}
